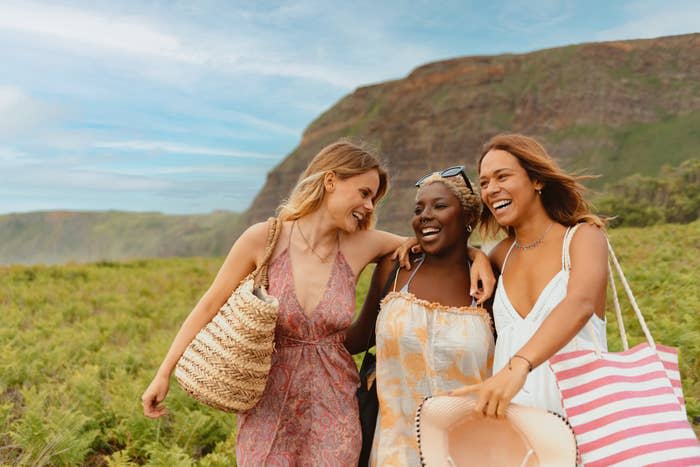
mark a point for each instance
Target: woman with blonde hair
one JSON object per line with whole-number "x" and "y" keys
{"x": 550, "y": 295}
{"x": 308, "y": 413}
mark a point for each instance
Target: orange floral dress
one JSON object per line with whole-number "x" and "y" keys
{"x": 423, "y": 349}
{"x": 308, "y": 415}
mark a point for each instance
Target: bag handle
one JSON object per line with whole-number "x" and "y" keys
{"x": 612, "y": 259}
{"x": 633, "y": 302}
{"x": 274, "y": 227}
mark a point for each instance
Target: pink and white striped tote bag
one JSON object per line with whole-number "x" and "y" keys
{"x": 626, "y": 408}
{"x": 623, "y": 408}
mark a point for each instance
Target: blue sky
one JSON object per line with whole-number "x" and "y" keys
{"x": 183, "y": 107}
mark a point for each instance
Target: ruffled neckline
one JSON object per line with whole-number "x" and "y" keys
{"x": 471, "y": 310}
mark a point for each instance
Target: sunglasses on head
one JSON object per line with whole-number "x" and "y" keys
{"x": 450, "y": 172}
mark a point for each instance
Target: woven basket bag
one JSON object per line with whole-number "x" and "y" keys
{"x": 227, "y": 364}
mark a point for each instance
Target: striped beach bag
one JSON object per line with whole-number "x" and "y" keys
{"x": 626, "y": 408}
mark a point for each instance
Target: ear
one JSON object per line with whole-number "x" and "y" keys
{"x": 538, "y": 185}
{"x": 329, "y": 180}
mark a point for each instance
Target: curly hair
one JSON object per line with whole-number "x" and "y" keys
{"x": 470, "y": 201}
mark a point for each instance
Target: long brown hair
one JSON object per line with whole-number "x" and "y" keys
{"x": 345, "y": 159}
{"x": 562, "y": 194}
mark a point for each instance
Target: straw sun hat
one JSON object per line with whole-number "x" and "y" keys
{"x": 451, "y": 434}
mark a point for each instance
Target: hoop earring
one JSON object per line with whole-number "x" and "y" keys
{"x": 469, "y": 228}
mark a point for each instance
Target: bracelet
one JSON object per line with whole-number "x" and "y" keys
{"x": 529, "y": 363}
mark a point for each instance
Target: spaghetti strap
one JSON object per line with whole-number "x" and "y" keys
{"x": 566, "y": 246}
{"x": 505, "y": 260}
{"x": 410, "y": 278}
{"x": 291, "y": 231}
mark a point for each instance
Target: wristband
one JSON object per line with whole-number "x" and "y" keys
{"x": 529, "y": 363}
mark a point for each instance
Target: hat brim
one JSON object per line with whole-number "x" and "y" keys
{"x": 450, "y": 433}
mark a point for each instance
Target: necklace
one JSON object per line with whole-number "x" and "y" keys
{"x": 527, "y": 246}
{"x": 323, "y": 259}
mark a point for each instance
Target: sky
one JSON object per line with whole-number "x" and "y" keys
{"x": 183, "y": 107}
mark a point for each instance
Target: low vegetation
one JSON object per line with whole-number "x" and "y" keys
{"x": 79, "y": 344}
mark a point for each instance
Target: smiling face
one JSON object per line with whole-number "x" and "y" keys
{"x": 439, "y": 221}
{"x": 506, "y": 189}
{"x": 351, "y": 200}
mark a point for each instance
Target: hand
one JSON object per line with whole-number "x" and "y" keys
{"x": 154, "y": 395}
{"x": 494, "y": 394}
{"x": 410, "y": 245}
{"x": 481, "y": 271}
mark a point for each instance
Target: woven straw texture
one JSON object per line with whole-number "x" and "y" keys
{"x": 226, "y": 365}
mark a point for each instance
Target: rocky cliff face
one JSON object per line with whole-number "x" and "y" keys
{"x": 612, "y": 108}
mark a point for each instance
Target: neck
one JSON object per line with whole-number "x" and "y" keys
{"x": 318, "y": 229}
{"x": 531, "y": 230}
{"x": 454, "y": 255}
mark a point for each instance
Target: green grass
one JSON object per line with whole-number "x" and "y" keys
{"x": 79, "y": 344}
{"x": 632, "y": 148}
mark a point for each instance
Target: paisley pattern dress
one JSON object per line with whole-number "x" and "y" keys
{"x": 308, "y": 415}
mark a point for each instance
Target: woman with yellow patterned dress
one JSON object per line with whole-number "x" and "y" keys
{"x": 430, "y": 335}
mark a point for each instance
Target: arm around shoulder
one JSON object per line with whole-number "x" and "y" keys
{"x": 358, "y": 335}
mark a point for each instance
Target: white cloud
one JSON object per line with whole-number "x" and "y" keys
{"x": 20, "y": 112}
{"x": 648, "y": 19}
{"x": 129, "y": 35}
{"x": 263, "y": 46}
{"x": 168, "y": 147}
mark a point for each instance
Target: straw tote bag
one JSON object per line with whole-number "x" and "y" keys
{"x": 626, "y": 408}
{"x": 227, "y": 364}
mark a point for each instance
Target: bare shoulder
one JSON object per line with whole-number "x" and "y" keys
{"x": 250, "y": 246}
{"x": 254, "y": 236}
{"x": 498, "y": 253}
{"x": 588, "y": 238}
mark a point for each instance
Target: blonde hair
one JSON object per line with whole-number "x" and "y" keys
{"x": 345, "y": 160}
{"x": 470, "y": 201}
{"x": 561, "y": 194}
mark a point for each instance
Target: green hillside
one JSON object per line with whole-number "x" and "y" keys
{"x": 609, "y": 108}
{"x": 79, "y": 343}
{"x": 63, "y": 236}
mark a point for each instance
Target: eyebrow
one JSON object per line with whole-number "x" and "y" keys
{"x": 496, "y": 172}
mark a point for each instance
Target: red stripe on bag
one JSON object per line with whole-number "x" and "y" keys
{"x": 686, "y": 462}
{"x": 638, "y": 430}
{"x": 606, "y": 380}
{"x": 622, "y": 414}
{"x": 621, "y": 395}
{"x": 598, "y": 364}
{"x": 645, "y": 449}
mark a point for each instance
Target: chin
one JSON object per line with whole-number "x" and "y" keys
{"x": 352, "y": 226}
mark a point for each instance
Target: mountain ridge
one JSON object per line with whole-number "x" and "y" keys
{"x": 613, "y": 108}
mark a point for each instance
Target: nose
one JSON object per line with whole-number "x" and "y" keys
{"x": 426, "y": 215}
{"x": 489, "y": 188}
{"x": 369, "y": 204}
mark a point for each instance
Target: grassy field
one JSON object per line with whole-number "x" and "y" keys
{"x": 79, "y": 343}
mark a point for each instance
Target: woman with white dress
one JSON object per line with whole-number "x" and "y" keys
{"x": 550, "y": 295}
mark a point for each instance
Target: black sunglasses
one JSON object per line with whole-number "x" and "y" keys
{"x": 450, "y": 172}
